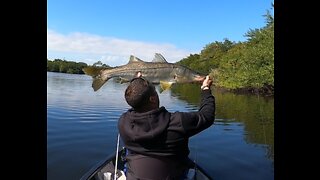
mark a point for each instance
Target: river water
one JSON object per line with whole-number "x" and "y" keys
{"x": 82, "y": 128}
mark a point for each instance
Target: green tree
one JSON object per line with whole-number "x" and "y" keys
{"x": 251, "y": 64}
{"x": 191, "y": 61}
{"x": 64, "y": 66}
{"x": 209, "y": 58}
{"x": 211, "y": 55}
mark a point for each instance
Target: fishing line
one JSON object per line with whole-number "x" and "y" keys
{"x": 116, "y": 165}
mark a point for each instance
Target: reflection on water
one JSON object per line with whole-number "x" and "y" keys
{"x": 255, "y": 112}
{"x": 82, "y": 128}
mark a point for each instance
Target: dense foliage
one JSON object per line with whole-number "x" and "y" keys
{"x": 244, "y": 65}
{"x": 209, "y": 57}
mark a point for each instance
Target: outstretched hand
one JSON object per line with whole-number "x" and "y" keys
{"x": 138, "y": 74}
{"x": 207, "y": 82}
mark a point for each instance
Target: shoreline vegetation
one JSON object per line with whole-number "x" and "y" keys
{"x": 240, "y": 67}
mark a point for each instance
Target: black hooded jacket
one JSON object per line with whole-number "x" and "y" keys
{"x": 158, "y": 139}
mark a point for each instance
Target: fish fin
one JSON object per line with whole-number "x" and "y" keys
{"x": 123, "y": 80}
{"x": 92, "y": 71}
{"x": 165, "y": 85}
{"x": 159, "y": 58}
{"x": 134, "y": 59}
{"x": 97, "y": 83}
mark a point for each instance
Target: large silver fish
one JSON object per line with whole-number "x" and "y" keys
{"x": 157, "y": 71}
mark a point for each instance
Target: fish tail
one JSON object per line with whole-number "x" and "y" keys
{"x": 98, "y": 83}
{"x": 165, "y": 85}
{"x": 95, "y": 72}
{"x": 92, "y": 71}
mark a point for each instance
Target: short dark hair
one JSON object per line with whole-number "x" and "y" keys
{"x": 138, "y": 92}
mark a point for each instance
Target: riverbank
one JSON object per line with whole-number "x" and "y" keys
{"x": 265, "y": 91}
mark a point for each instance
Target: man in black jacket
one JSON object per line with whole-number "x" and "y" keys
{"x": 157, "y": 140}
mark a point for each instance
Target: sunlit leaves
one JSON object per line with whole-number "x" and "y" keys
{"x": 242, "y": 65}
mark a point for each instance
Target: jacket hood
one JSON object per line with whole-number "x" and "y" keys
{"x": 141, "y": 127}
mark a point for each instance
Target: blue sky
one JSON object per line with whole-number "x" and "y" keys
{"x": 112, "y": 30}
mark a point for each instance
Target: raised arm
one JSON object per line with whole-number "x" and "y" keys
{"x": 195, "y": 122}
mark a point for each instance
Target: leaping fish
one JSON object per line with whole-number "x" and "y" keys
{"x": 157, "y": 71}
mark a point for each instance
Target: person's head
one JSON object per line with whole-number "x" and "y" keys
{"x": 141, "y": 95}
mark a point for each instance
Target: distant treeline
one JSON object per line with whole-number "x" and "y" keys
{"x": 64, "y": 66}
{"x": 70, "y": 67}
{"x": 240, "y": 66}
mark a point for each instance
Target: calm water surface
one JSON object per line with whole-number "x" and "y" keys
{"x": 82, "y": 128}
